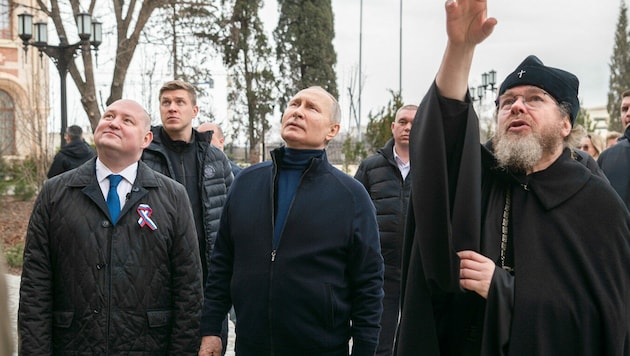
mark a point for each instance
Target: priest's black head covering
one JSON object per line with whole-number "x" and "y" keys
{"x": 561, "y": 85}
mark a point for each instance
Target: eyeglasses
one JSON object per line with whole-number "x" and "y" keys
{"x": 532, "y": 99}
{"x": 584, "y": 147}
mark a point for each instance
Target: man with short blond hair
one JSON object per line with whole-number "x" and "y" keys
{"x": 186, "y": 155}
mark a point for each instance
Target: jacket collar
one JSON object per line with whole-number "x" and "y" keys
{"x": 554, "y": 185}
{"x": 316, "y": 162}
{"x": 86, "y": 175}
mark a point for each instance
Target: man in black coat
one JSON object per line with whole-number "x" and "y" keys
{"x": 385, "y": 176}
{"x": 111, "y": 263}
{"x": 615, "y": 160}
{"x": 502, "y": 258}
{"x": 73, "y": 154}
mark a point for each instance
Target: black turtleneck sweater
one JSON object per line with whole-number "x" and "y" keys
{"x": 294, "y": 163}
{"x": 183, "y": 157}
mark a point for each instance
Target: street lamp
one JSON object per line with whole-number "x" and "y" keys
{"x": 478, "y": 94}
{"x": 90, "y": 35}
{"x": 488, "y": 82}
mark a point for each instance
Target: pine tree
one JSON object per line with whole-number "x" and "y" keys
{"x": 584, "y": 119}
{"x": 619, "y": 69}
{"x": 304, "y": 47}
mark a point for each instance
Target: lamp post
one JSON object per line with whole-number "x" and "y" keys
{"x": 90, "y": 35}
{"x": 488, "y": 83}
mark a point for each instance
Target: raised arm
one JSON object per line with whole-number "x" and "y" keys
{"x": 466, "y": 26}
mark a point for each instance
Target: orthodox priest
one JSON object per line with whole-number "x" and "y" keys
{"x": 502, "y": 257}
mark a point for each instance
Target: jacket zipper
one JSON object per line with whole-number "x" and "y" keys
{"x": 274, "y": 249}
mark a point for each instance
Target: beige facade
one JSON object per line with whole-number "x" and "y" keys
{"x": 599, "y": 116}
{"x": 24, "y": 88}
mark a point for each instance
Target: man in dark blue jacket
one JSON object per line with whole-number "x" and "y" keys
{"x": 385, "y": 176}
{"x": 615, "y": 160}
{"x": 298, "y": 251}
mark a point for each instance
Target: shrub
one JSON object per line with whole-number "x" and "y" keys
{"x": 15, "y": 255}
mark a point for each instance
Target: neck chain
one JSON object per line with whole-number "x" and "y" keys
{"x": 504, "y": 229}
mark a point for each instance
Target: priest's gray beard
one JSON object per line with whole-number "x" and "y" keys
{"x": 521, "y": 152}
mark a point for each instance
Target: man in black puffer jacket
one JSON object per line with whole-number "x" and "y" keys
{"x": 385, "y": 176}
{"x": 186, "y": 155}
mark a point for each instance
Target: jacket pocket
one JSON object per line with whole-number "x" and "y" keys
{"x": 63, "y": 319}
{"x": 159, "y": 318}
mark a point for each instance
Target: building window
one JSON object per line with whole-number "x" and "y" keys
{"x": 7, "y": 124}
{"x": 5, "y": 20}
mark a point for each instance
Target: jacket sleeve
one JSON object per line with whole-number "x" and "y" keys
{"x": 36, "y": 289}
{"x": 361, "y": 175}
{"x": 216, "y": 196}
{"x": 366, "y": 276}
{"x": 227, "y": 172}
{"x": 445, "y": 137}
{"x": 187, "y": 281}
{"x": 217, "y": 297}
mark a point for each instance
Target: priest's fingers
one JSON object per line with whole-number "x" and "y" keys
{"x": 472, "y": 255}
{"x": 476, "y": 272}
{"x": 467, "y": 21}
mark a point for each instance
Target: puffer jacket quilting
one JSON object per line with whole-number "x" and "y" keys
{"x": 89, "y": 287}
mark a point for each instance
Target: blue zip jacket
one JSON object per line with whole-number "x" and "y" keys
{"x": 321, "y": 286}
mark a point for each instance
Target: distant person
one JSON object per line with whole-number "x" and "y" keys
{"x": 612, "y": 137}
{"x": 513, "y": 247}
{"x": 218, "y": 140}
{"x": 73, "y": 154}
{"x": 385, "y": 175}
{"x": 111, "y": 263}
{"x": 593, "y": 144}
{"x": 615, "y": 160}
{"x": 186, "y": 155}
{"x": 298, "y": 252}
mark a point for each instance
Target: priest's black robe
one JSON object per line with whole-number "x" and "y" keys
{"x": 568, "y": 243}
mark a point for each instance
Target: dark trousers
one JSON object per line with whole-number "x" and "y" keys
{"x": 389, "y": 322}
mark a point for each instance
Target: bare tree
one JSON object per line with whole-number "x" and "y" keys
{"x": 32, "y": 134}
{"x": 131, "y": 18}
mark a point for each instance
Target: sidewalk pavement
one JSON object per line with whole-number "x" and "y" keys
{"x": 13, "y": 284}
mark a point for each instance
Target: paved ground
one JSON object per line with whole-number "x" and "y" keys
{"x": 13, "y": 283}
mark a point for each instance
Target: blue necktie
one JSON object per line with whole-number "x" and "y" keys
{"x": 113, "y": 201}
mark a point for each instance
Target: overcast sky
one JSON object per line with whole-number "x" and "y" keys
{"x": 577, "y": 36}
